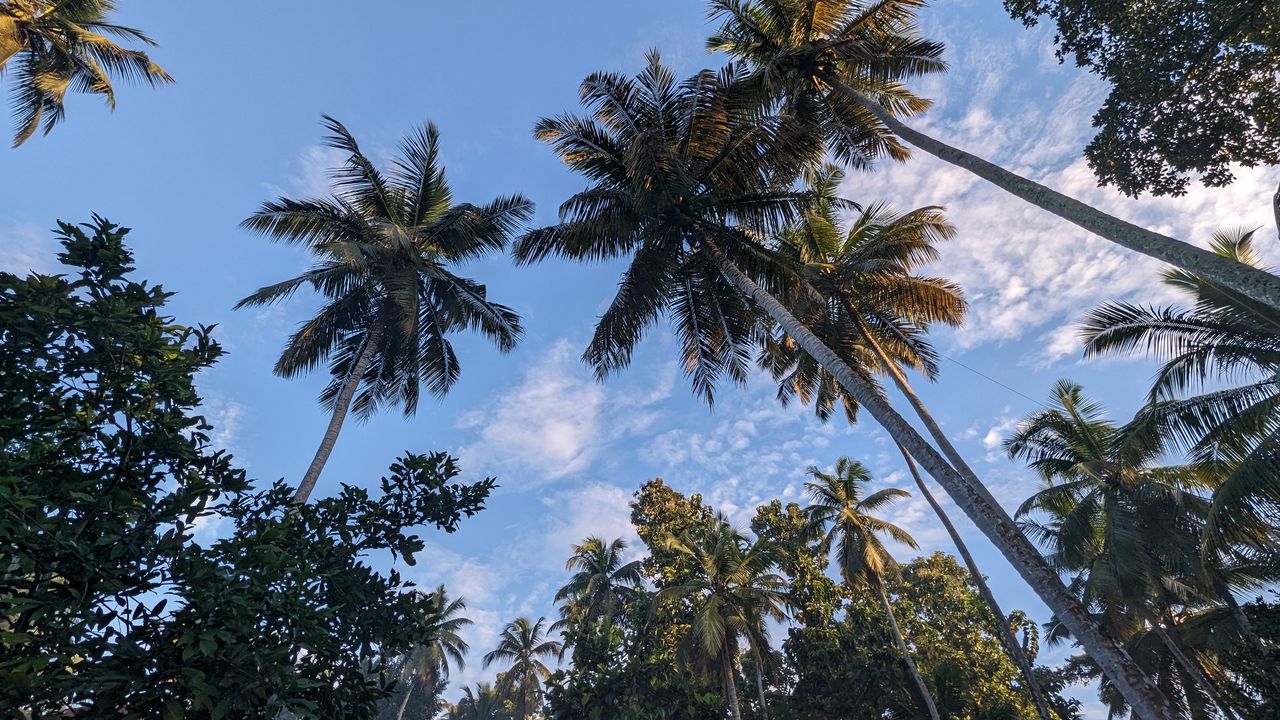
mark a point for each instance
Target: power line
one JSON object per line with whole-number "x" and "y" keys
{"x": 981, "y": 374}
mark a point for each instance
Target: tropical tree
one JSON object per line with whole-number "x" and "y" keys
{"x": 687, "y": 178}
{"x": 845, "y": 61}
{"x": 1236, "y": 430}
{"x": 482, "y": 703}
{"x": 385, "y": 245}
{"x": 54, "y": 47}
{"x": 731, "y": 592}
{"x": 875, "y": 313}
{"x": 601, "y": 584}
{"x": 839, "y": 508}
{"x": 428, "y": 664}
{"x": 1125, "y": 529}
{"x": 524, "y": 645}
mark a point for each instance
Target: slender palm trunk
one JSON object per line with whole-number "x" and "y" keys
{"x": 1007, "y": 638}
{"x": 405, "y": 702}
{"x": 1012, "y": 646}
{"x": 1247, "y": 280}
{"x": 906, "y": 653}
{"x": 976, "y": 501}
{"x": 1192, "y": 668}
{"x": 1275, "y": 208}
{"x": 341, "y": 405}
{"x": 764, "y": 709}
{"x": 731, "y": 687}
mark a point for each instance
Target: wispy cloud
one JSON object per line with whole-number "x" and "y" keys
{"x": 26, "y": 247}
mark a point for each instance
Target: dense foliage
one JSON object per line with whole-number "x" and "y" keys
{"x": 1193, "y": 85}
{"x": 143, "y": 575}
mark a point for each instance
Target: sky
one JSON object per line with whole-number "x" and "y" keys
{"x": 183, "y": 165}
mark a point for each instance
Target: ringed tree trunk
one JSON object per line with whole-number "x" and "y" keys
{"x": 1007, "y": 638}
{"x": 405, "y": 702}
{"x": 905, "y": 652}
{"x": 730, "y": 686}
{"x": 341, "y": 405}
{"x": 976, "y": 501}
{"x": 764, "y": 710}
{"x": 1245, "y": 279}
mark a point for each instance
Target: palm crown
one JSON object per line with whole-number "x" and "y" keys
{"x": 58, "y": 47}
{"x": 680, "y": 172}
{"x": 385, "y": 245}
{"x": 523, "y": 644}
{"x": 838, "y": 506}
{"x": 801, "y": 52}
{"x": 601, "y": 583}
{"x": 872, "y": 298}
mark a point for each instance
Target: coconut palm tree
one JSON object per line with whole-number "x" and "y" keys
{"x": 601, "y": 584}
{"x": 686, "y": 180}
{"x": 1125, "y": 529}
{"x": 524, "y": 645}
{"x": 385, "y": 246}
{"x": 840, "y": 510}
{"x": 1223, "y": 335}
{"x": 429, "y": 663}
{"x": 844, "y": 62}
{"x": 482, "y": 703}
{"x": 875, "y": 313}
{"x": 733, "y": 588}
{"x": 52, "y": 47}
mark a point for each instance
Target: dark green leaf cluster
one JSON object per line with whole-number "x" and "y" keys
{"x": 120, "y": 594}
{"x": 1193, "y": 85}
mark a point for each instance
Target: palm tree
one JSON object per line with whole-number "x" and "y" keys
{"x": 523, "y": 644}
{"x": 57, "y": 46}
{"x": 601, "y": 584}
{"x": 843, "y": 62}
{"x": 731, "y": 591}
{"x": 385, "y": 244}
{"x": 429, "y": 663}
{"x": 1224, "y": 335}
{"x": 875, "y": 312}
{"x": 839, "y": 509}
{"x": 686, "y": 180}
{"x": 1126, "y": 529}
{"x": 483, "y": 703}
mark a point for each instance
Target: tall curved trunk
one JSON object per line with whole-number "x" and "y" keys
{"x": 1007, "y": 638}
{"x": 405, "y": 702}
{"x": 923, "y": 689}
{"x": 1275, "y": 208}
{"x": 1245, "y": 279}
{"x": 975, "y": 500}
{"x": 764, "y": 709}
{"x": 730, "y": 687}
{"x": 341, "y": 406}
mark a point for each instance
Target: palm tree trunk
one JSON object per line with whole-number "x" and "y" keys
{"x": 1249, "y": 281}
{"x": 1192, "y": 668}
{"x": 976, "y": 501}
{"x": 731, "y": 687}
{"x": 341, "y": 405}
{"x": 1012, "y": 646}
{"x": 906, "y": 653}
{"x": 405, "y": 702}
{"x": 1016, "y": 652}
{"x": 1275, "y": 208}
{"x": 764, "y": 709}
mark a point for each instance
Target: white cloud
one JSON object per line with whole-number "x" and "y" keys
{"x": 26, "y": 248}
{"x": 1026, "y": 272}
{"x": 595, "y": 509}
{"x": 558, "y": 420}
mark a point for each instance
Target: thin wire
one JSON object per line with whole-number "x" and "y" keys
{"x": 988, "y": 377}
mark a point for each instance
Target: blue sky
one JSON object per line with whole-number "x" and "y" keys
{"x": 183, "y": 165}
